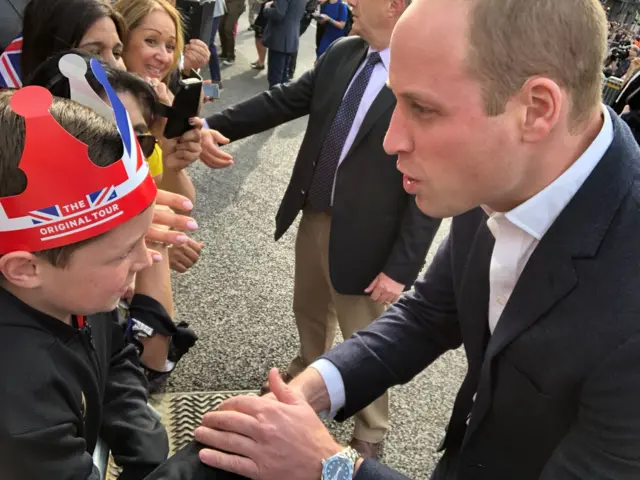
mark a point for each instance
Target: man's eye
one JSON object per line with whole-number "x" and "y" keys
{"x": 419, "y": 108}
{"x": 117, "y": 54}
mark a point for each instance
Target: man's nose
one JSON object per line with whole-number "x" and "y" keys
{"x": 396, "y": 139}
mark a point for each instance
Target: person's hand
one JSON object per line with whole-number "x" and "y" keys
{"x": 384, "y": 290}
{"x": 324, "y": 18}
{"x": 166, "y": 223}
{"x": 183, "y": 257}
{"x": 179, "y": 153}
{"x": 263, "y": 439}
{"x": 268, "y": 4}
{"x": 212, "y": 155}
{"x": 196, "y": 55}
{"x": 164, "y": 96}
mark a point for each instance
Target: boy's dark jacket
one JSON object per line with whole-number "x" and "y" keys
{"x": 62, "y": 388}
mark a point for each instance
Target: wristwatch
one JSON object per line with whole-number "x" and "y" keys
{"x": 340, "y": 466}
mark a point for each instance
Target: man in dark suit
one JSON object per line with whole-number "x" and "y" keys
{"x": 538, "y": 278}
{"x": 282, "y": 36}
{"x": 362, "y": 240}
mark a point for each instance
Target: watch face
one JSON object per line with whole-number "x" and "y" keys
{"x": 338, "y": 468}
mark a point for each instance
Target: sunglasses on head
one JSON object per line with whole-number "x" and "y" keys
{"x": 147, "y": 143}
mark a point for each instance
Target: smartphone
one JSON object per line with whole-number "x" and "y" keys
{"x": 186, "y": 104}
{"x": 211, "y": 90}
{"x": 315, "y": 16}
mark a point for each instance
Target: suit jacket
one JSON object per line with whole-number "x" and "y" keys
{"x": 282, "y": 33}
{"x": 375, "y": 226}
{"x": 558, "y": 382}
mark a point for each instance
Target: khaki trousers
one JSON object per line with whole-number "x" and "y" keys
{"x": 319, "y": 309}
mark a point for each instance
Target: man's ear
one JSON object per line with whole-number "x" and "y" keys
{"x": 542, "y": 102}
{"x": 21, "y": 269}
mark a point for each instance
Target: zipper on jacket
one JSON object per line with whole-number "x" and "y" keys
{"x": 87, "y": 340}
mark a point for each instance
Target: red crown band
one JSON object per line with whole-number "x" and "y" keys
{"x": 68, "y": 198}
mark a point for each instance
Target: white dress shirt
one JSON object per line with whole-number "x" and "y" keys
{"x": 517, "y": 234}
{"x": 378, "y": 79}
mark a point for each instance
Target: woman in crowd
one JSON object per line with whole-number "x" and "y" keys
{"x": 333, "y": 17}
{"x": 219, "y": 10}
{"x": 51, "y": 26}
{"x": 258, "y": 28}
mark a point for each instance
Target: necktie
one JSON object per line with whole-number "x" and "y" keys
{"x": 319, "y": 198}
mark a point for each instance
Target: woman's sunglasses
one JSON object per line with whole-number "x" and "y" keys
{"x": 147, "y": 143}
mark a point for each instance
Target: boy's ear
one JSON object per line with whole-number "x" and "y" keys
{"x": 21, "y": 269}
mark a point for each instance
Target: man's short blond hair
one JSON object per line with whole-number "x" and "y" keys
{"x": 514, "y": 40}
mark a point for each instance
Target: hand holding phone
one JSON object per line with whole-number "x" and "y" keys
{"x": 186, "y": 105}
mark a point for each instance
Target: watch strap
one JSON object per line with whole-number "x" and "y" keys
{"x": 352, "y": 454}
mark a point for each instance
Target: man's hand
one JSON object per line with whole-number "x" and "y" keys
{"x": 183, "y": 257}
{"x": 179, "y": 153}
{"x": 212, "y": 155}
{"x": 169, "y": 219}
{"x": 384, "y": 290}
{"x": 196, "y": 55}
{"x": 268, "y": 4}
{"x": 263, "y": 439}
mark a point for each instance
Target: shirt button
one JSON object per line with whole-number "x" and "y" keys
{"x": 501, "y": 300}
{"x": 302, "y": 192}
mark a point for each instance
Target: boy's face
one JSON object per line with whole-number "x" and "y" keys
{"x": 98, "y": 273}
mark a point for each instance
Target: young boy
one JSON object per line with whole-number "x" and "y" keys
{"x": 73, "y": 220}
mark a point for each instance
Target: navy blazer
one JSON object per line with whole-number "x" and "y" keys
{"x": 558, "y": 383}
{"x": 282, "y": 33}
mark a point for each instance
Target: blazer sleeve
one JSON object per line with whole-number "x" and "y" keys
{"x": 372, "y": 470}
{"x": 406, "y": 339}
{"x": 281, "y": 104}
{"x": 604, "y": 440}
{"x": 408, "y": 255}
{"x": 135, "y": 436}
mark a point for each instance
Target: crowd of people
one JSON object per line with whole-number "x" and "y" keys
{"x": 278, "y": 26}
{"x": 407, "y": 125}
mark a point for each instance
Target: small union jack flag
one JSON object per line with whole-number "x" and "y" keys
{"x": 102, "y": 196}
{"x": 46, "y": 215}
{"x": 10, "y": 75}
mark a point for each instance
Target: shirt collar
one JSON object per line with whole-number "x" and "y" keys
{"x": 536, "y": 215}
{"x": 385, "y": 56}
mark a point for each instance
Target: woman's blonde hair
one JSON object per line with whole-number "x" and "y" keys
{"x": 135, "y": 11}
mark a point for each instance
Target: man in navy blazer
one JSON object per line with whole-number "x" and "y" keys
{"x": 499, "y": 122}
{"x": 282, "y": 36}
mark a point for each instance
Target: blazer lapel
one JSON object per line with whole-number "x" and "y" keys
{"x": 473, "y": 312}
{"x": 383, "y": 102}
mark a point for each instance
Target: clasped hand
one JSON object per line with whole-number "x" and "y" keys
{"x": 267, "y": 438}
